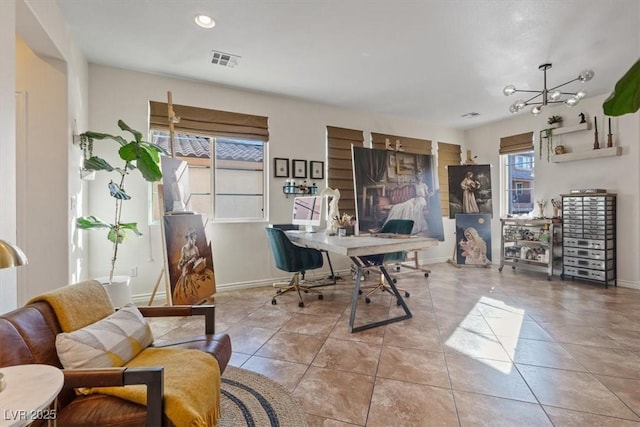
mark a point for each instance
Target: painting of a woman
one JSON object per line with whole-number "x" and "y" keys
{"x": 473, "y": 232}
{"x": 414, "y": 208}
{"x": 469, "y": 187}
{"x": 189, "y": 258}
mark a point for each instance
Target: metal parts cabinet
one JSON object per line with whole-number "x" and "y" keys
{"x": 589, "y": 244}
{"x": 529, "y": 243}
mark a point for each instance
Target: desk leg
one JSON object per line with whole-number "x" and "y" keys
{"x": 354, "y": 301}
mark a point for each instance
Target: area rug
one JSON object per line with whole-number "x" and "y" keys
{"x": 251, "y": 399}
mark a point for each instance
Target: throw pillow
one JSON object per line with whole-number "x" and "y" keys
{"x": 110, "y": 342}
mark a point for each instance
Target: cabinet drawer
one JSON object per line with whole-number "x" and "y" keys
{"x": 588, "y": 243}
{"x": 603, "y": 276}
{"x": 588, "y": 253}
{"x": 587, "y": 263}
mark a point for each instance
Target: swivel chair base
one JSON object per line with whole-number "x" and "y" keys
{"x": 383, "y": 286}
{"x": 294, "y": 285}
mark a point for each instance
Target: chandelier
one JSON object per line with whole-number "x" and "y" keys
{"x": 548, "y": 96}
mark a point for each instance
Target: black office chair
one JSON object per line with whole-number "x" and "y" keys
{"x": 393, "y": 226}
{"x": 294, "y": 259}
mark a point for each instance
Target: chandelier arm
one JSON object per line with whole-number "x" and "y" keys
{"x": 530, "y": 91}
{"x": 528, "y": 101}
{"x": 563, "y": 84}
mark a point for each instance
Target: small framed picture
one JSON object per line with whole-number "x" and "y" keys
{"x": 281, "y": 167}
{"x": 316, "y": 170}
{"x": 299, "y": 168}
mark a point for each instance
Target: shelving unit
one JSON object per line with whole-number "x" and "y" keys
{"x": 591, "y": 154}
{"x": 589, "y": 244}
{"x": 568, "y": 129}
{"x": 296, "y": 190}
{"x": 529, "y": 244}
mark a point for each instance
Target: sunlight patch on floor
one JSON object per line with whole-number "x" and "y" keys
{"x": 475, "y": 338}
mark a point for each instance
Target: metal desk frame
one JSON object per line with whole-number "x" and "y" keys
{"x": 356, "y": 247}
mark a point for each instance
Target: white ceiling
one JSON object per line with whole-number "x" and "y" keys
{"x": 427, "y": 60}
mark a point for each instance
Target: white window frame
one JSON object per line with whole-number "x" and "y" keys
{"x": 265, "y": 186}
{"x": 505, "y": 194}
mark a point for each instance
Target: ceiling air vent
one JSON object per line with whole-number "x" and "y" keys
{"x": 224, "y": 59}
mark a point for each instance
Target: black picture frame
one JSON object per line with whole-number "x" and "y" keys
{"x": 280, "y": 167}
{"x": 316, "y": 169}
{"x": 299, "y": 168}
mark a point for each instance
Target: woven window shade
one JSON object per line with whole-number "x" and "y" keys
{"x": 448, "y": 154}
{"x": 339, "y": 165}
{"x": 516, "y": 143}
{"x": 210, "y": 122}
{"x": 409, "y": 145}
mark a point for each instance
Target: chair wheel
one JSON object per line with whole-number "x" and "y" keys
{"x": 300, "y": 304}
{"x": 397, "y": 268}
{"x": 320, "y": 296}
{"x": 395, "y": 280}
{"x": 273, "y": 302}
{"x": 306, "y": 291}
{"x": 426, "y": 275}
{"x": 406, "y": 294}
{"x": 359, "y": 291}
{"x": 367, "y": 300}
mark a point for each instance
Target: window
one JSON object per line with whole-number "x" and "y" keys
{"x": 231, "y": 185}
{"x": 235, "y": 190}
{"x": 518, "y": 182}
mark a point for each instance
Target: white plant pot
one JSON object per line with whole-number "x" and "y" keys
{"x": 119, "y": 289}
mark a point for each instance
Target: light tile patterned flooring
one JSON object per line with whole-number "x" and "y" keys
{"x": 483, "y": 348}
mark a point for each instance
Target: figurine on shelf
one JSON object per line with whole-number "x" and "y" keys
{"x": 583, "y": 118}
{"x": 541, "y": 205}
{"x": 557, "y": 205}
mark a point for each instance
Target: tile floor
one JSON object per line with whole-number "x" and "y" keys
{"x": 483, "y": 348}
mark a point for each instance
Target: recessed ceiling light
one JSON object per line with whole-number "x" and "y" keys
{"x": 205, "y": 21}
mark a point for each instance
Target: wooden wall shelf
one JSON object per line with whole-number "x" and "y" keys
{"x": 583, "y": 155}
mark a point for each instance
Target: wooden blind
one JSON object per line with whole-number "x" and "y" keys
{"x": 410, "y": 145}
{"x": 339, "y": 165}
{"x": 210, "y": 122}
{"x": 448, "y": 154}
{"x": 516, "y": 143}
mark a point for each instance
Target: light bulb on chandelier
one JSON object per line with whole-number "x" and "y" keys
{"x": 548, "y": 96}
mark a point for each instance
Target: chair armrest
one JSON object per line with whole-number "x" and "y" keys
{"x": 208, "y": 311}
{"x": 152, "y": 377}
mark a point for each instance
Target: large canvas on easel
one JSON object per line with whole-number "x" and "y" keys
{"x": 175, "y": 184}
{"x": 469, "y": 190}
{"x": 473, "y": 233}
{"x": 189, "y": 259}
{"x": 395, "y": 184}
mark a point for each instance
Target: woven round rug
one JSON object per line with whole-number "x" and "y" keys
{"x": 251, "y": 399}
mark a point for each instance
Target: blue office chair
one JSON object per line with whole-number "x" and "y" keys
{"x": 294, "y": 259}
{"x": 393, "y": 226}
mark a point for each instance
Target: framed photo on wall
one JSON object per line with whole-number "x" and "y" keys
{"x": 280, "y": 167}
{"x": 299, "y": 168}
{"x": 316, "y": 170}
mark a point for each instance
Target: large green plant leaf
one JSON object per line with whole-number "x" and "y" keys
{"x": 136, "y": 134}
{"x": 625, "y": 97}
{"x": 119, "y": 234}
{"x": 148, "y": 163}
{"x": 95, "y": 163}
{"x": 91, "y": 222}
{"x": 97, "y": 135}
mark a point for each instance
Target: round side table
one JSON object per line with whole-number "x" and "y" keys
{"x": 28, "y": 392}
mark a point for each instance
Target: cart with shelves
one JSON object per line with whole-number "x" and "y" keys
{"x": 529, "y": 244}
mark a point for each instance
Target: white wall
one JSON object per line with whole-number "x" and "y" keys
{"x": 8, "y": 230}
{"x": 620, "y": 175}
{"x": 297, "y": 130}
{"x": 47, "y": 231}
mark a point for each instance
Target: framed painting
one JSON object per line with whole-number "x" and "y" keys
{"x": 473, "y": 235}
{"x": 189, "y": 259}
{"x": 280, "y": 167}
{"x": 317, "y": 170}
{"x": 469, "y": 190}
{"x": 299, "y": 168}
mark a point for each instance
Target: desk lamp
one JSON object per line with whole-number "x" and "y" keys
{"x": 10, "y": 256}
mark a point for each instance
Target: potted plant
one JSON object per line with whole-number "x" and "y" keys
{"x": 135, "y": 154}
{"x": 555, "y": 121}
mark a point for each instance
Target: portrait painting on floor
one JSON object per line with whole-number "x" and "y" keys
{"x": 189, "y": 259}
{"x": 396, "y": 185}
{"x": 469, "y": 190}
{"x": 473, "y": 234}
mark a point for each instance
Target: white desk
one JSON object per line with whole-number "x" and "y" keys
{"x": 357, "y": 247}
{"x": 29, "y": 390}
